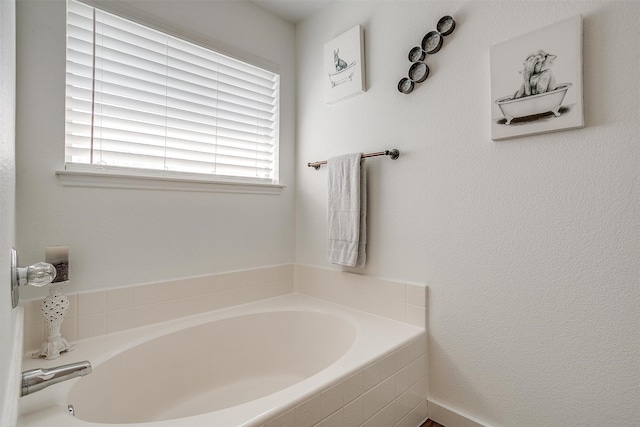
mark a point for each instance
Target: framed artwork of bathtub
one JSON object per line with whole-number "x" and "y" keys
{"x": 536, "y": 81}
{"x": 344, "y": 66}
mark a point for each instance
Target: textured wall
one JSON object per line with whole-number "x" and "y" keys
{"x": 123, "y": 237}
{"x": 529, "y": 246}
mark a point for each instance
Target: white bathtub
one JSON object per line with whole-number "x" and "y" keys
{"x": 241, "y": 366}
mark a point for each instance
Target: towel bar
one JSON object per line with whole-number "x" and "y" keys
{"x": 394, "y": 154}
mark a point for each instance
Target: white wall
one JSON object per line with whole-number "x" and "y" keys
{"x": 122, "y": 237}
{"x": 529, "y": 246}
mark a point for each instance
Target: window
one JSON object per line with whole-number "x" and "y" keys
{"x": 139, "y": 101}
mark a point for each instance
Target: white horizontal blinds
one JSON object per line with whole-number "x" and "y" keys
{"x": 142, "y": 99}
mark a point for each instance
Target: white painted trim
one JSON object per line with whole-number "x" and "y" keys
{"x": 129, "y": 181}
{"x": 11, "y": 396}
{"x": 447, "y": 416}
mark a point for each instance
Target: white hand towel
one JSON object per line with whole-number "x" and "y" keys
{"x": 347, "y": 210}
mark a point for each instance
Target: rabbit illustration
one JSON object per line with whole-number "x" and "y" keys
{"x": 537, "y": 76}
{"x": 339, "y": 63}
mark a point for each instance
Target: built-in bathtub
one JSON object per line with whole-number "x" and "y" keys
{"x": 288, "y": 360}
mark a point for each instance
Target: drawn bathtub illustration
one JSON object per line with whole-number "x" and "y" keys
{"x": 533, "y": 104}
{"x": 342, "y": 76}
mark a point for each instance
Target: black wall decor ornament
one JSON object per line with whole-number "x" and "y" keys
{"x": 431, "y": 44}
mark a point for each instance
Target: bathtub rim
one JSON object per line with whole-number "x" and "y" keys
{"x": 49, "y": 406}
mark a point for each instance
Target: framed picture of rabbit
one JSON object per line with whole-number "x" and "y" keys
{"x": 344, "y": 66}
{"x": 536, "y": 81}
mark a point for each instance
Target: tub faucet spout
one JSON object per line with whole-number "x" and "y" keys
{"x": 37, "y": 379}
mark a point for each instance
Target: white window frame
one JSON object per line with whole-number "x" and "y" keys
{"x": 85, "y": 175}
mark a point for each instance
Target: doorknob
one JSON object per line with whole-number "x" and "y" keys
{"x": 38, "y": 274}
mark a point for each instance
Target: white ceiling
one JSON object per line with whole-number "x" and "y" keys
{"x": 292, "y": 10}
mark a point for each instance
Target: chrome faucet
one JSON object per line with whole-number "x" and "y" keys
{"x": 36, "y": 379}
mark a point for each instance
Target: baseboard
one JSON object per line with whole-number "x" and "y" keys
{"x": 450, "y": 417}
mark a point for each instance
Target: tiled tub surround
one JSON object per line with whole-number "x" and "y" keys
{"x": 105, "y": 311}
{"x": 401, "y": 301}
{"x": 381, "y": 380}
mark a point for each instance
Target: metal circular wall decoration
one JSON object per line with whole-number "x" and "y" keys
{"x": 405, "y": 85}
{"x": 418, "y": 72}
{"x": 416, "y": 54}
{"x": 431, "y": 44}
{"x": 446, "y": 25}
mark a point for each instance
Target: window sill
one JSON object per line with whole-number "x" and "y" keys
{"x": 129, "y": 181}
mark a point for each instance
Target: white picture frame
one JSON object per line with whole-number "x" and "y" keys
{"x": 536, "y": 81}
{"x": 344, "y": 74}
